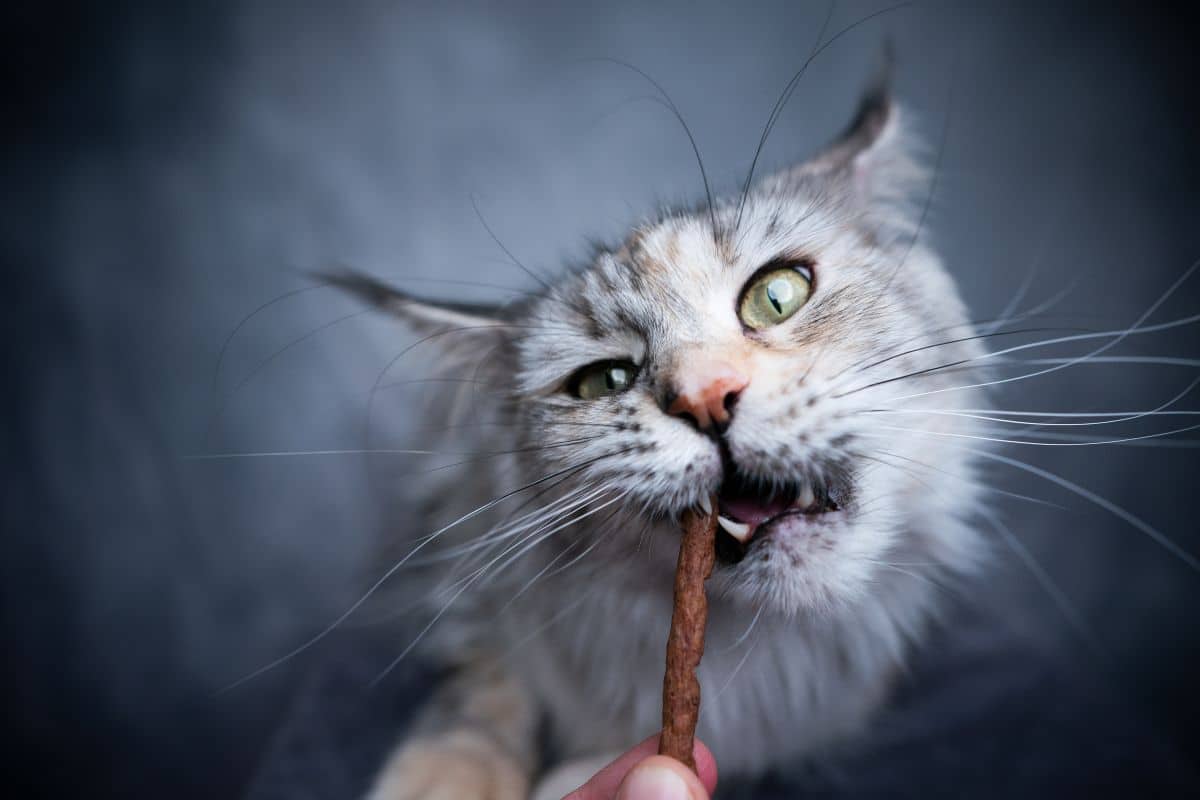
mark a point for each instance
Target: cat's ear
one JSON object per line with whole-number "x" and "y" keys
{"x": 458, "y": 324}
{"x": 872, "y": 167}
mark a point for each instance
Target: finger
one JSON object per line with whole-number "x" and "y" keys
{"x": 661, "y": 778}
{"x": 604, "y": 784}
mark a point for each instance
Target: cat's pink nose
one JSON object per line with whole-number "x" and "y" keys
{"x": 707, "y": 395}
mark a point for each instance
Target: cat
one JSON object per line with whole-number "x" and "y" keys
{"x": 741, "y": 348}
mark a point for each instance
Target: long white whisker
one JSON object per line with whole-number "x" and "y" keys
{"x": 516, "y": 527}
{"x": 554, "y": 560}
{"x": 1128, "y": 417}
{"x": 285, "y": 453}
{"x": 482, "y": 571}
{"x": 1064, "y": 604}
{"x": 541, "y": 537}
{"x": 558, "y": 615}
{"x": 1115, "y": 337}
{"x": 746, "y": 633}
{"x": 399, "y": 564}
{"x": 528, "y": 541}
{"x": 972, "y": 483}
{"x": 1160, "y": 538}
{"x": 737, "y": 668}
{"x": 384, "y": 451}
{"x": 1163, "y": 360}
{"x": 1001, "y": 440}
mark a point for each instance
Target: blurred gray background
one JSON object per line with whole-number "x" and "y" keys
{"x": 176, "y": 167}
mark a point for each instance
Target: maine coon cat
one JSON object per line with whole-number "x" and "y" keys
{"x": 742, "y": 348}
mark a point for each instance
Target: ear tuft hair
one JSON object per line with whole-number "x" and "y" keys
{"x": 424, "y": 316}
{"x": 875, "y": 120}
{"x": 872, "y": 167}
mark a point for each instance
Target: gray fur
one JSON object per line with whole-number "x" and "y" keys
{"x": 815, "y": 623}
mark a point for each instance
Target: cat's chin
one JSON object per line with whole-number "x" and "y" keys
{"x": 800, "y": 562}
{"x": 792, "y": 523}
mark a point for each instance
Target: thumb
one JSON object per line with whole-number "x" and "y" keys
{"x": 661, "y": 778}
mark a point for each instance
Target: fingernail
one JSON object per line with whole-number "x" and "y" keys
{"x": 652, "y": 782}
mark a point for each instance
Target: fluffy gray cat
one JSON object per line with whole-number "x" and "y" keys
{"x": 744, "y": 348}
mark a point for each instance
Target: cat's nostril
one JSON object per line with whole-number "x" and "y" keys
{"x": 731, "y": 400}
{"x": 689, "y": 409}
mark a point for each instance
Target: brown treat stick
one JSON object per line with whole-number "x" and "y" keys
{"x": 685, "y": 644}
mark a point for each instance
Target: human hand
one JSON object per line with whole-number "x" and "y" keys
{"x": 641, "y": 774}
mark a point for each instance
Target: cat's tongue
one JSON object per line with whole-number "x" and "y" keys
{"x": 752, "y": 510}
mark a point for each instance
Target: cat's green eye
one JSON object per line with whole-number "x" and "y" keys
{"x": 774, "y": 295}
{"x": 602, "y": 379}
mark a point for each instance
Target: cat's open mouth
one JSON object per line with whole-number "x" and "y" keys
{"x": 748, "y": 509}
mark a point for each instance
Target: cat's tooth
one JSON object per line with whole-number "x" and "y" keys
{"x": 738, "y": 530}
{"x": 807, "y": 498}
{"x": 706, "y": 505}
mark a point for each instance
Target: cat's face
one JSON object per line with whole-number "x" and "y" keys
{"x": 762, "y": 365}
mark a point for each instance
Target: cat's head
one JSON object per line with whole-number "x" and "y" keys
{"x": 763, "y": 360}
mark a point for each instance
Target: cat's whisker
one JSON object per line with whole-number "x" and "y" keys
{"x": 745, "y": 634}
{"x": 994, "y": 324}
{"x": 538, "y": 518}
{"x": 980, "y": 414}
{"x": 963, "y": 479}
{"x": 1161, "y": 410}
{"x": 1114, "y": 336}
{"x": 1056, "y": 594}
{"x": 478, "y": 455}
{"x": 1158, "y": 360}
{"x": 220, "y": 410}
{"x": 526, "y": 546}
{"x": 1152, "y": 443}
{"x": 1031, "y": 443}
{"x": 395, "y": 567}
{"x": 933, "y": 181}
{"x": 669, "y": 104}
{"x": 599, "y": 539}
{"x": 1133, "y": 520}
{"x": 1010, "y": 309}
{"x": 919, "y": 480}
{"x": 368, "y": 413}
{"x": 515, "y": 261}
{"x": 550, "y": 621}
{"x": 857, "y": 369}
{"x": 422, "y": 381}
{"x": 561, "y": 505}
{"x": 785, "y": 96}
{"x": 550, "y": 564}
{"x": 918, "y": 576}
{"x": 216, "y": 377}
{"x": 511, "y": 425}
{"x": 299, "y": 453}
{"x": 305, "y": 289}
{"x": 541, "y": 521}
{"x": 737, "y": 667}
{"x": 776, "y": 111}
{"x": 449, "y": 603}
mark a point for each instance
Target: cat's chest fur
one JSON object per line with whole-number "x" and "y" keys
{"x": 773, "y": 689}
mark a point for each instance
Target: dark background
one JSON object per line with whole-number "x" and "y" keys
{"x": 170, "y": 167}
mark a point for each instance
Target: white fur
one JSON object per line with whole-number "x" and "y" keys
{"x": 581, "y": 609}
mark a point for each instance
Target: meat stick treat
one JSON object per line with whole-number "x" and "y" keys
{"x": 685, "y": 644}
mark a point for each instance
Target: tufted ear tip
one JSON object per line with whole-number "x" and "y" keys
{"x": 873, "y": 126}
{"x": 873, "y": 167}
{"x": 362, "y": 287}
{"x": 421, "y": 314}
